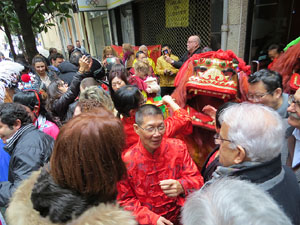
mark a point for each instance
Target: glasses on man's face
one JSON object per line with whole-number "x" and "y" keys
{"x": 257, "y": 97}
{"x": 292, "y": 100}
{"x": 152, "y": 130}
{"x": 191, "y": 42}
{"x": 219, "y": 140}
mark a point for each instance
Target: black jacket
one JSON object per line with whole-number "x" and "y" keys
{"x": 207, "y": 171}
{"x": 60, "y": 106}
{"x": 280, "y": 182}
{"x": 29, "y": 150}
{"x": 186, "y": 56}
{"x": 67, "y": 71}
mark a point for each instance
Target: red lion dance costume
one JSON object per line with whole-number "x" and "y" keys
{"x": 210, "y": 78}
{"x": 288, "y": 65}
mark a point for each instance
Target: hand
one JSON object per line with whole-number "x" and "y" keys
{"x": 168, "y": 59}
{"x": 167, "y": 72}
{"x": 210, "y": 110}
{"x": 104, "y": 62}
{"x": 85, "y": 64}
{"x": 172, "y": 188}
{"x": 167, "y": 99}
{"x": 162, "y": 221}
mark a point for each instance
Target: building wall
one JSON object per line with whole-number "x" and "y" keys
{"x": 151, "y": 23}
{"x": 51, "y": 38}
{"x": 237, "y": 22}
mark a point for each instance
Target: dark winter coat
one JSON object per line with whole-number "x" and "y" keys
{"x": 28, "y": 152}
{"x": 281, "y": 183}
{"x": 60, "y": 106}
{"x": 67, "y": 71}
{"x": 208, "y": 169}
{"x": 185, "y": 57}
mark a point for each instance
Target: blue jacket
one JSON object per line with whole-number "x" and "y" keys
{"x": 4, "y": 163}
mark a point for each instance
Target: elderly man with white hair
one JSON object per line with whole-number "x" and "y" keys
{"x": 232, "y": 202}
{"x": 251, "y": 138}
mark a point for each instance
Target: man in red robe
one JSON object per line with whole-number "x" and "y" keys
{"x": 161, "y": 172}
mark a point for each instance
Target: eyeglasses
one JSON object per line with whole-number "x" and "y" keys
{"x": 151, "y": 130}
{"x": 220, "y": 140}
{"x": 293, "y": 100}
{"x": 257, "y": 97}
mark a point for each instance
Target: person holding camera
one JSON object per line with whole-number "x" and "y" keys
{"x": 166, "y": 71}
{"x": 109, "y": 58}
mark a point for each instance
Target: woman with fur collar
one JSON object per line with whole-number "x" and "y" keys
{"x": 79, "y": 186}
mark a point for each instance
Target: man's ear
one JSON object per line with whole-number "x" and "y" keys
{"x": 17, "y": 124}
{"x": 240, "y": 156}
{"x": 278, "y": 92}
{"x": 136, "y": 128}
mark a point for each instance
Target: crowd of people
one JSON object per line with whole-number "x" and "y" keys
{"x": 88, "y": 141}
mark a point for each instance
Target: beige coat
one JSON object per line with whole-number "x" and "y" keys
{"x": 21, "y": 212}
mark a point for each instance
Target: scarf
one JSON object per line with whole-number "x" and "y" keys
{"x": 222, "y": 171}
{"x": 40, "y": 123}
{"x": 126, "y": 56}
{"x": 16, "y": 136}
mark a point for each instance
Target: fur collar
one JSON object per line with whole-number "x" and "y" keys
{"x": 21, "y": 212}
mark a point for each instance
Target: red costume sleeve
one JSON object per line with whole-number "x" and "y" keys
{"x": 128, "y": 200}
{"x": 179, "y": 123}
{"x": 191, "y": 179}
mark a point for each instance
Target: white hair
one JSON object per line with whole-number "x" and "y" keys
{"x": 197, "y": 38}
{"x": 257, "y": 128}
{"x": 232, "y": 202}
{"x": 142, "y": 46}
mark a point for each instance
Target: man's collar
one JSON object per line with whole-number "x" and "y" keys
{"x": 194, "y": 51}
{"x": 156, "y": 152}
{"x": 11, "y": 141}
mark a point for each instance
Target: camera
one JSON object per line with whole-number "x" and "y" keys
{"x": 165, "y": 52}
{"x": 111, "y": 60}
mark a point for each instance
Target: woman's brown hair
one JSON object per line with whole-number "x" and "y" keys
{"x": 87, "y": 155}
{"x": 109, "y": 50}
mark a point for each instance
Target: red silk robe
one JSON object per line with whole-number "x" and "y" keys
{"x": 140, "y": 192}
{"x": 179, "y": 123}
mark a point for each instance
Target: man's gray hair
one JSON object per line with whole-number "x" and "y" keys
{"x": 256, "y": 128}
{"x": 232, "y": 202}
{"x": 198, "y": 39}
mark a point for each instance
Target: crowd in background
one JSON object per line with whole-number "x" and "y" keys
{"x": 87, "y": 141}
